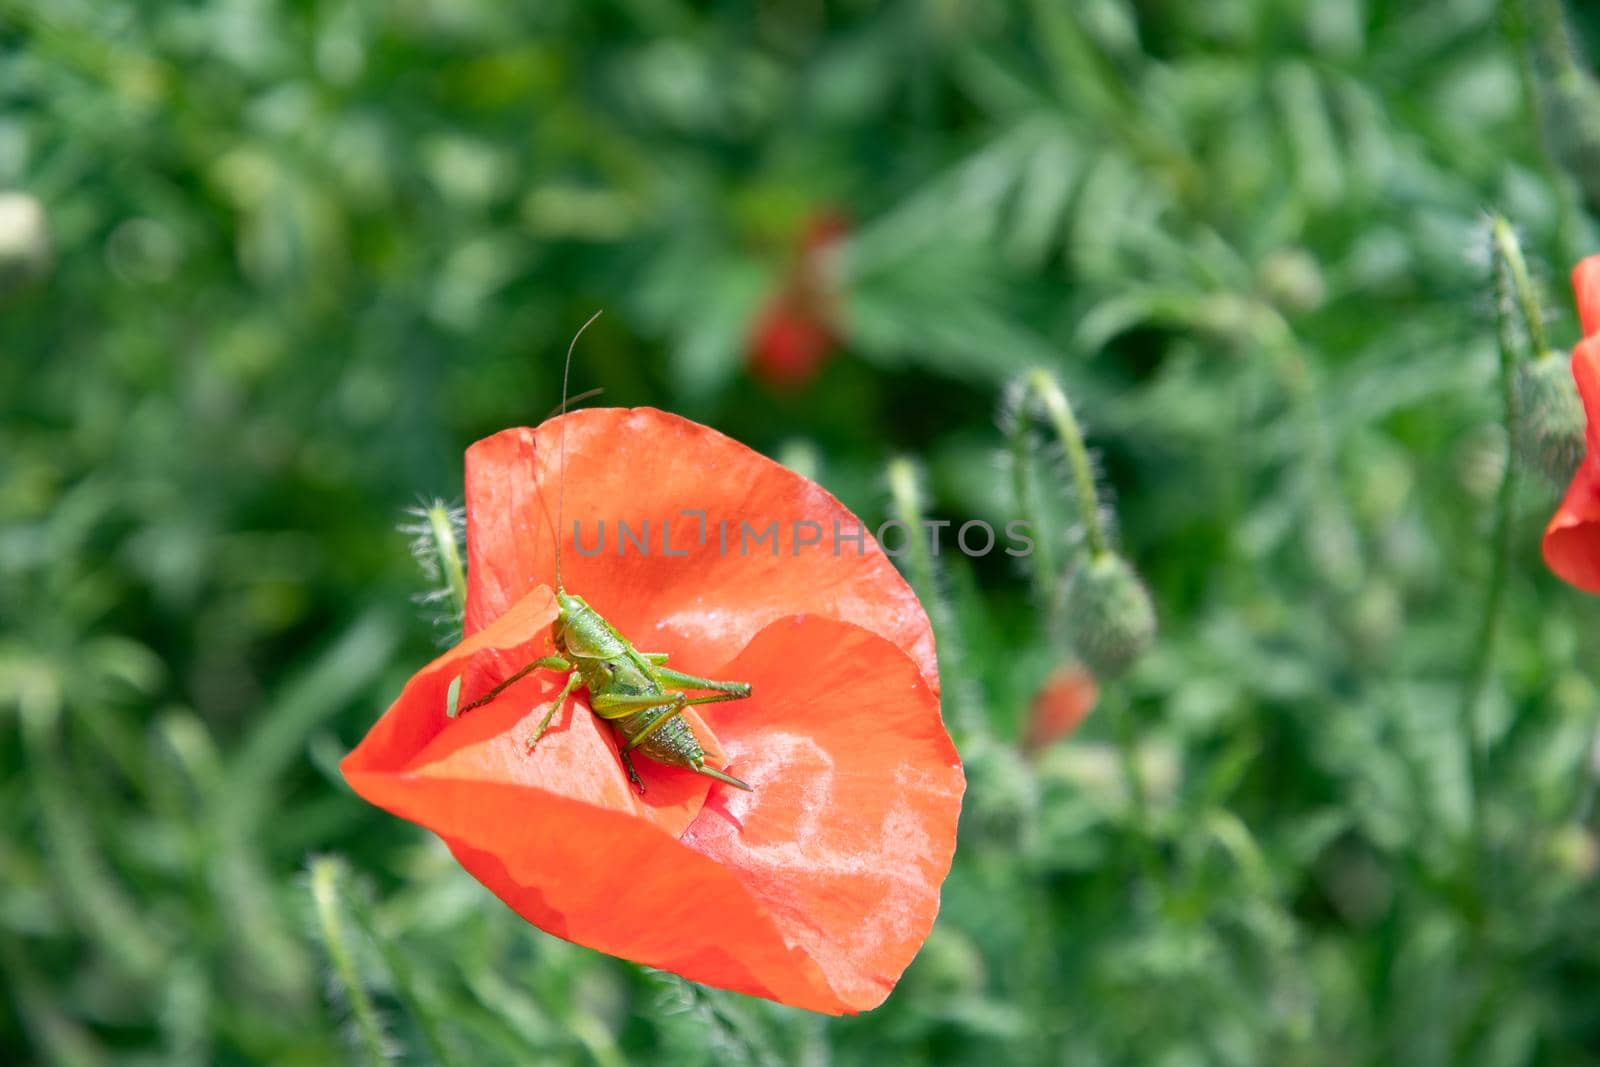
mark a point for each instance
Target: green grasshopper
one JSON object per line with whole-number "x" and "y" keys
{"x": 635, "y": 691}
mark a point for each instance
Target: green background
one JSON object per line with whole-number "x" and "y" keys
{"x": 303, "y": 252}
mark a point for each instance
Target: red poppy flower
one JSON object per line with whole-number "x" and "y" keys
{"x": 1572, "y": 540}
{"x": 816, "y": 888}
{"x": 795, "y": 331}
{"x": 1060, "y": 706}
{"x": 789, "y": 342}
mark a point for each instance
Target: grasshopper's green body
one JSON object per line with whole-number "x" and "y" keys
{"x": 636, "y": 691}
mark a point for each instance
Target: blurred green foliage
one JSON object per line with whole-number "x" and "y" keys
{"x": 301, "y": 252}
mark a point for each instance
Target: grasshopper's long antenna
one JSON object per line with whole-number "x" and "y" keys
{"x": 561, "y": 496}
{"x": 561, "y": 409}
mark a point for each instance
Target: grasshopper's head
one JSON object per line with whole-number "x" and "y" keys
{"x": 580, "y": 631}
{"x": 569, "y": 605}
{"x": 570, "y": 608}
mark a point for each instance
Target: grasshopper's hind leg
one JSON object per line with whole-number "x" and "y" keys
{"x": 622, "y": 705}
{"x": 633, "y": 775}
{"x": 672, "y": 679}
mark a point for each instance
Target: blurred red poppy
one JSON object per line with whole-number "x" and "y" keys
{"x": 817, "y": 888}
{"x": 789, "y": 342}
{"x": 1060, "y": 706}
{"x": 1572, "y": 540}
{"x": 796, "y": 330}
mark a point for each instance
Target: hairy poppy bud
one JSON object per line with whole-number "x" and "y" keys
{"x": 1550, "y": 437}
{"x": 1110, "y": 620}
{"x": 24, "y": 240}
{"x": 437, "y": 533}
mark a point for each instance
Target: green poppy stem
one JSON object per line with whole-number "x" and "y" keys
{"x": 327, "y": 873}
{"x": 1059, "y": 413}
{"x": 1512, "y": 282}
{"x": 905, "y": 493}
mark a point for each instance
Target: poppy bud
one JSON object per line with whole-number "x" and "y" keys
{"x": 1550, "y": 436}
{"x": 1110, "y": 619}
{"x": 437, "y": 533}
{"x": 24, "y": 241}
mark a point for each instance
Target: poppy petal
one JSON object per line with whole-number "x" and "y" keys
{"x": 1059, "y": 707}
{"x": 609, "y": 881}
{"x": 1586, "y": 372}
{"x": 1572, "y": 540}
{"x": 816, "y": 890}
{"x": 693, "y": 541}
{"x": 577, "y": 756}
{"x": 1586, "y": 283}
{"x": 851, "y": 827}
{"x": 425, "y": 701}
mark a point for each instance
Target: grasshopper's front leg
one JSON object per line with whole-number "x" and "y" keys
{"x": 549, "y": 663}
{"x": 573, "y": 681}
